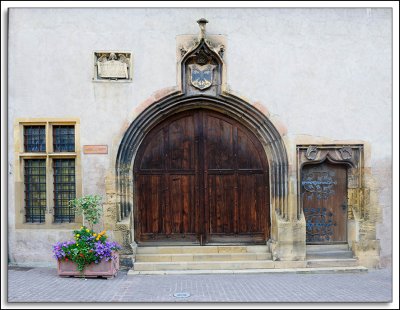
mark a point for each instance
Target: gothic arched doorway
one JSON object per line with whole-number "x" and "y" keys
{"x": 201, "y": 177}
{"x": 220, "y": 195}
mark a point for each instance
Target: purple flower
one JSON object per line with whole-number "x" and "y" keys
{"x": 60, "y": 248}
{"x": 104, "y": 250}
{"x": 93, "y": 250}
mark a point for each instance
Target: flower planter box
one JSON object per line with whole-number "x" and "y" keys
{"x": 107, "y": 269}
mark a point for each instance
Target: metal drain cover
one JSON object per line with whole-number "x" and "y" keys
{"x": 182, "y": 295}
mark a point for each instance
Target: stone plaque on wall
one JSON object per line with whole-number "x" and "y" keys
{"x": 95, "y": 149}
{"x": 112, "y": 66}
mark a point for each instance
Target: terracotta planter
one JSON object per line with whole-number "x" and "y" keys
{"x": 107, "y": 269}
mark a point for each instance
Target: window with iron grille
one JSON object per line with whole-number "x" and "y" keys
{"x": 64, "y": 189}
{"x": 56, "y": 157}
{"x": 35, "y": 190}
{"x": 34, "y": 138}
{"x": 63, "y": 138}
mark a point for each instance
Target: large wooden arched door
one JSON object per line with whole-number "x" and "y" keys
{"x": 201, "y": 177}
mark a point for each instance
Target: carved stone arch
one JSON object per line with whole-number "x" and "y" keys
{"x": 330, "y": 159}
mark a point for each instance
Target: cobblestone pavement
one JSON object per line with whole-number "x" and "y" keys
{"x": 44, "y": 285}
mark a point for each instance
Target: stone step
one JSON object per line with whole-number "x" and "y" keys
{"x": 202, "y": 265}
{"x": 321, "y": 270}
{"x": 202, "y": 249}
{"x": 345, "y": 262}
{"x": 327, "y": 247}
{"x": 330, "y": 254}
{"x": 202, "y": 257}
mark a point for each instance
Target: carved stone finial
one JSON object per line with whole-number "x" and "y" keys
{"x": 311, "y": 153}
{"x": 202, "y": 23}
{"x": 183, "y": 51}
{"x": 346, "y": 152}
{"x": 113, "y": 56}
{"x": 221, "y": 51}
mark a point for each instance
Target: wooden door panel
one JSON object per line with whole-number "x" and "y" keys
{"x": 181, "y": 141}
{"x": 248, "y": 155}
{"x": 151, "y": 202}
{"x": 222, "y": 204}
{"x": 219, "y": 146}
{"x": 153, "y": 155}
{"x": 252, "y": 211}
{"x": 182, "y": 204}
{"x": 324, "y": 197}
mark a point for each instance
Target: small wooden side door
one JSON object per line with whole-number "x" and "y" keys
{"x": 324, "y": 198}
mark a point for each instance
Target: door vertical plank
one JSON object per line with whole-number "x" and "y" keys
{"x": 204, "y": 219}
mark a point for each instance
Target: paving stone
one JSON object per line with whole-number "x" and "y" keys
{"x": 44, "y": 285}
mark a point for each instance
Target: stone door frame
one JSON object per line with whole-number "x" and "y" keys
{"x": 349, "y": 155}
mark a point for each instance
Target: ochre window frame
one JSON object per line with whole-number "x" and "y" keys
{"x": 49, "y": 155}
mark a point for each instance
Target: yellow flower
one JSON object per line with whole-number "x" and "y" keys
{"x": 87, "y": 230}
{"x": 94, "y": 235}
{"x": 77, "y": 235}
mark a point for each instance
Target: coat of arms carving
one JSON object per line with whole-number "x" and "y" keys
{"x": 201, "y": 77}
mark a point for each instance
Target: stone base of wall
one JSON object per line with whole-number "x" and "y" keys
{"x": 367, "y": 252}
{"x": 290, "y": 244}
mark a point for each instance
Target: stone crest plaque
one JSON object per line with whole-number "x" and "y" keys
{"x": 201, "y": 77}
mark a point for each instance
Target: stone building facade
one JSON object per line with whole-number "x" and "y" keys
{"x": 286, "y": 118}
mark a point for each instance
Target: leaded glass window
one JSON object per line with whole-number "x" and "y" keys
{"x": 64, "y": 138}
{"x": 34, "y": 139}
{"x": 64, "y": 189}
{"x": 35, "y": 190}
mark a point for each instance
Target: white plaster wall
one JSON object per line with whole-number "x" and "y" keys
{"x": 322, "y": 72}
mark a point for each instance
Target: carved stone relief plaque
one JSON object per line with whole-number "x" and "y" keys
{"x": 112, "y": 66}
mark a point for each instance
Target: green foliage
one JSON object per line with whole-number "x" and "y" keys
{"x": 82, "y": 253}
{"x": 89, "y": 206}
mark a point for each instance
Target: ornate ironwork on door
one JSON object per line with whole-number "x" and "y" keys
{"x": 319, "y": 224}
{"x": 319, "y": 183}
